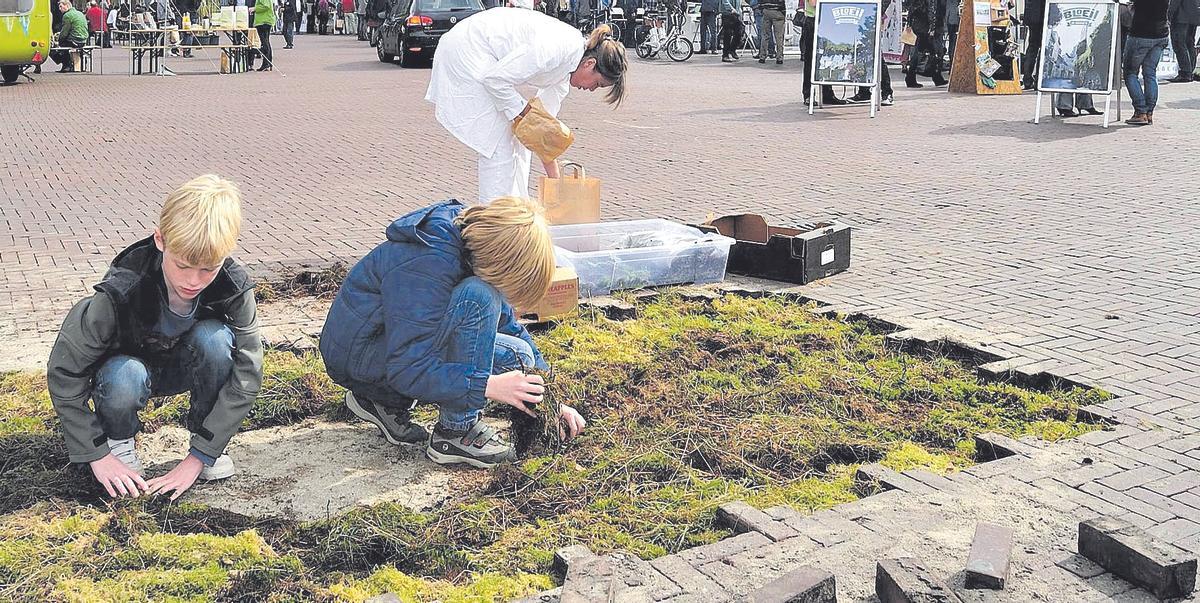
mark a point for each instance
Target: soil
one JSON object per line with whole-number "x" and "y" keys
{"x": 311, "y": 470}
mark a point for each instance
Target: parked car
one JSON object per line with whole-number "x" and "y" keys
{"x": 413, "y": 27}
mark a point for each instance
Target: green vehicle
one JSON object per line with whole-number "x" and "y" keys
{"x": 24, "y": 36}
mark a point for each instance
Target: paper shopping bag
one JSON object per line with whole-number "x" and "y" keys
{"x": 572, "y": 198}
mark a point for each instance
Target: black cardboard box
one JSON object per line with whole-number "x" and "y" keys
{"x": 795, "y": 255}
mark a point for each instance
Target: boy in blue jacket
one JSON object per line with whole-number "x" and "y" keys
{"x": 427, "y": 315}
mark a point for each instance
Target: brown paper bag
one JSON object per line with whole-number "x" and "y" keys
{"x": 571, "y": 199}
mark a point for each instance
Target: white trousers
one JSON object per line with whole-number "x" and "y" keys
{"x": 506, "y": 173}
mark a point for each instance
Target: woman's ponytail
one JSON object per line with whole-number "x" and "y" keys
{"x": 610, "y": 61}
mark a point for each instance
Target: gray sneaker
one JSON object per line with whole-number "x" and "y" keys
{"x": 480, "y": 446}
{"x": 126, "y": 452}
{"x": 394, "y": 423}
{"x": 221, "y": 469}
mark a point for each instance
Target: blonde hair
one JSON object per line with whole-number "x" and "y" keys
{"x": 610, "y": 61}
{"x": 509, "y": 247}
{"x": 200, "y": 221}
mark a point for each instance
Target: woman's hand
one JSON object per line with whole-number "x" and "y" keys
{"x": 572, "y": 419}
{"x": 551, "y": 168}
{"x": 516, "y": 389}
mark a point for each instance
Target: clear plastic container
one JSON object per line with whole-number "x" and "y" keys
{"x": 629, "y": 254}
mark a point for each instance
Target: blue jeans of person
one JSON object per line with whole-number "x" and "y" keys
{"x": 708, "y": 31}
{"x": 467, "y": 335}
{"x": 1142, "y": 56}
{"x": 201, "y": 363}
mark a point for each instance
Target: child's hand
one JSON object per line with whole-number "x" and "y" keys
{"x": 573, "y": 420}
{"x": 118, "y": 479}
{"x": 516, "y": 389}
{"x": 178, "y": 479}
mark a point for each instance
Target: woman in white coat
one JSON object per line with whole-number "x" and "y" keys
{"x": 488, "y": 73}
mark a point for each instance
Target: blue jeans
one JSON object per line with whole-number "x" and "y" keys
{"x": 708, "y": 31}
{"x": 1142, "y": 55}
{"x": 467, "y": 335}
{"x": 201, "y": 363}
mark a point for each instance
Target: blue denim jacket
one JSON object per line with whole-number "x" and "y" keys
{"x": 381, "y": 326}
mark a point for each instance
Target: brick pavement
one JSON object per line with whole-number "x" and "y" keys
{"x": 1065, "y": 245}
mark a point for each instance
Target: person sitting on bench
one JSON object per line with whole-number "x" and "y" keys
{"x": 74, "y": 34}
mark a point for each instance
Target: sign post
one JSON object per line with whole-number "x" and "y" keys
{"x": 846, "y": 47}
{"x": 1079, "y": 51}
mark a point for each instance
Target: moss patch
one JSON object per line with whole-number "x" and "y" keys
{"x": 689, "y": 406}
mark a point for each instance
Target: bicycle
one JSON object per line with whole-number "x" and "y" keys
{"x": 600, "y": 16}
{"x": 671, "y": 39}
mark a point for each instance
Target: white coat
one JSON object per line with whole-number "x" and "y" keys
{"x": 488, "y": 66}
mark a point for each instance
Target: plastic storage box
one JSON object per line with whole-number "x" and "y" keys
{"x": 639, "y": 253}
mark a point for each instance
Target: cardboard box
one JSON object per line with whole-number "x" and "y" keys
{"x": 794, "y": 255}
{"x": 561, "y": 299}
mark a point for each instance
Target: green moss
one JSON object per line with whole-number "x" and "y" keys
{"x": 171, "y": 585}
{"x": 193, "y": 551}
{"x": 486, "y": 587}
{"x": 690, "y": 406}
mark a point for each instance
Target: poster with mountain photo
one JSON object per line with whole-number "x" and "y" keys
{"x": 847, "y": 42}
{"x": 1078, "y": 48}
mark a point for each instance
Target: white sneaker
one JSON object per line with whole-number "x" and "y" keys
{"x": 887, "y": 101}
{"x": 126, "y": 452}
{"x": 221, "y": 469}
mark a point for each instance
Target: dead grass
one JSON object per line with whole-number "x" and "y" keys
{"x": 690, "y": 406}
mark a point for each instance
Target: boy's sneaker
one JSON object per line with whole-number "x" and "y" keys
{"x": 887, "y": 101}
{"x": 394, "y": 423}
{"x": 126, "y": 452}
{"x": 221, "y": 469}
{"x": 480, "y": 446}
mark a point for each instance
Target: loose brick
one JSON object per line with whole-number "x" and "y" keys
{"x": 1127, "y": 551}
{"x": 741, "y": 517}
{"x": 802, "y": 585}
{"x": 906, "y": 580}
{"x": 873, "y": 476}
{"x": 564, "y": 557}
{"x": 637, "y": 580}
{"x": 589, "y": 580}
{"x": 991, "y": 550}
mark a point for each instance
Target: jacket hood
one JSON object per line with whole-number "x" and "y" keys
{"x": 429, "y": 225}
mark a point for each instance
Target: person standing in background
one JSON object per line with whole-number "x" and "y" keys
{"x": 731, "y": 29}
{"x": 1148, "y": 38}
{"x": 774, "y": 12}
{"x": 264, "y": 21}
{"x": 290, "y": 16}
{"x": 1034, "y": 19}
{"x": 708, "y": 25}
{"x": 1184, "y": 16}
{"x": 349, "y": 17}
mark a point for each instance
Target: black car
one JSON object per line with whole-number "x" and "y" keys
{"x": 413, "y": 27}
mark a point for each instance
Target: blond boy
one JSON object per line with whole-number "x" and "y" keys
{"x": 173, "y": 314}
{"x": 427, "y": 315}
